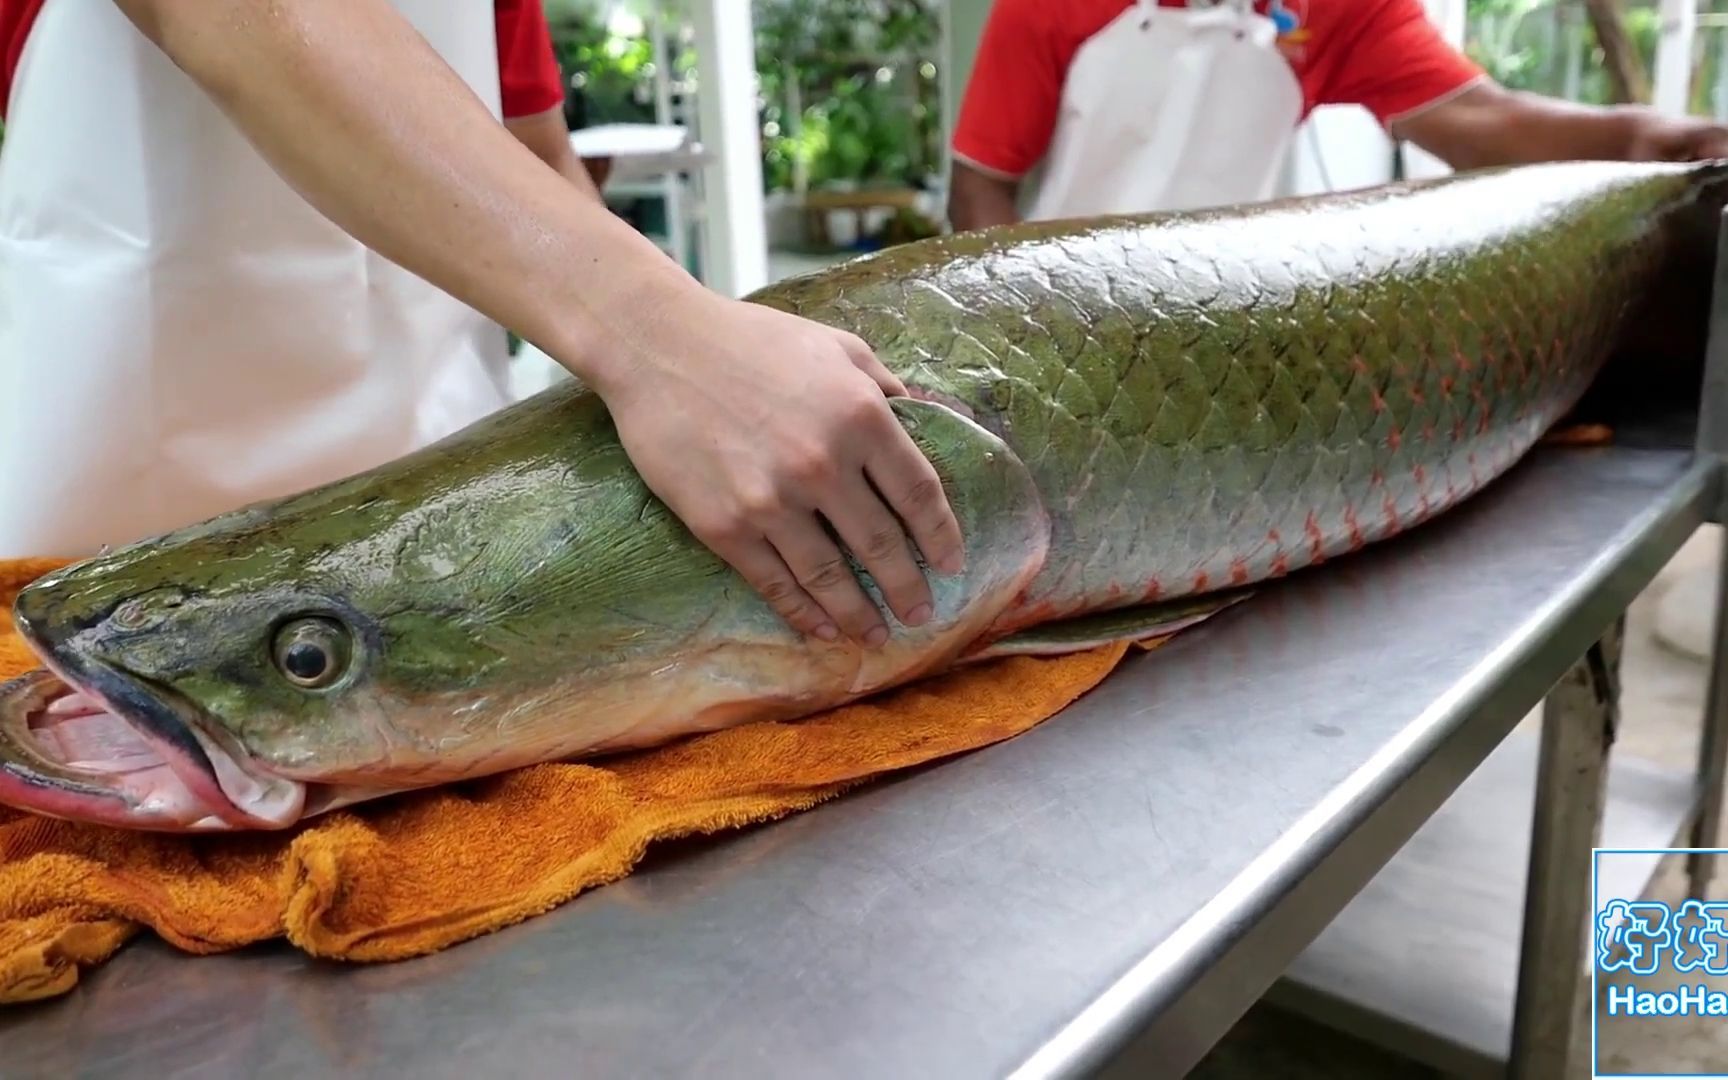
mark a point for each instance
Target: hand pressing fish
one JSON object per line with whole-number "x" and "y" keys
{"x": 1137, "y": 420}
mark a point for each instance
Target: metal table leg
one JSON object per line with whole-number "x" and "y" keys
{"x": 1580, "y": 716}
{"x": 1712, "y": 443}
{"x": 1712, "y": 745}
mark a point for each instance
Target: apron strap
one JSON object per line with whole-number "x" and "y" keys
{"x": 1242, "y": 8}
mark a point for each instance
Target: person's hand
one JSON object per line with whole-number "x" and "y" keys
{"x": 1664, "y": 138}
{"x": 749, "y": 423}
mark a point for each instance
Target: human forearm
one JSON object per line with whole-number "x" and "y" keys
{"x": 977, "y": 200}
{"x": 755, "y": 427}
{"x": 546, "y": 136}
{"x": 359, "y": 114}
{"x": 1488, "y": 125}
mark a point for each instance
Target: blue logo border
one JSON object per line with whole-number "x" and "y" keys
{"x": 1595, "y": 992}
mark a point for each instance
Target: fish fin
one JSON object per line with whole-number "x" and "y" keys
{"x": 1147, "y": 625}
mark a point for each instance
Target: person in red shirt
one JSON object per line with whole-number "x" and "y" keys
{"x": 247, "y": 247}
{"x": 1100, "y": 106}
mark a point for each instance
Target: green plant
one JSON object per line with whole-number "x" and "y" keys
{"x": 847, "y": 89}
{"x": 1709, "y": 95}
{"x": 614, "y": 66}
{"x": 1549, "y": 46}
{"x": 1494, "y": 42}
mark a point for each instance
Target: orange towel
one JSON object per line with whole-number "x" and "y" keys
{"x": 1579, "y": 435}
{"x": 416, "y": 873}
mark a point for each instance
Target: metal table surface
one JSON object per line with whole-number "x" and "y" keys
{"x": 1117, "y": 885}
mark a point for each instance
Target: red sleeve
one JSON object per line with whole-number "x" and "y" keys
{"x": 1396, "y": 62}
{"x": 528, "y": 72}
{"x": 1009, "y": 109}
{"x": 16, "y": 18}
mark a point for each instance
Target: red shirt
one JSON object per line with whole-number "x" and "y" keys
{"x": 528, "y": 71}
{"x": 1385, "y": 55}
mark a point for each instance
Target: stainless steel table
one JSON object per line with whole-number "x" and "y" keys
{"x": 1111, "y": 890}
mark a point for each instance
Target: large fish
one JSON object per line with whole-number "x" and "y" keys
{"x": 1137, "y": 420}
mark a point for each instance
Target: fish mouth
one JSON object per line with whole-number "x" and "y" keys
{"x": 84, "y": 741}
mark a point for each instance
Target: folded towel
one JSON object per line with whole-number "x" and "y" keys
{"x": 416, "y": 873}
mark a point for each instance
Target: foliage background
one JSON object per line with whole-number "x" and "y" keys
{"x": 848, "y": 89}
{"x": 1550, "y": 47}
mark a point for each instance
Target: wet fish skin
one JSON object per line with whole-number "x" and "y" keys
{"x": 1151, "y": 408}
{"x": 1300, "y": 377}
{"x": 512, "y": 595}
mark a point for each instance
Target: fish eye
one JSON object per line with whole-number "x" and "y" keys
{"x": 312, "y": 653}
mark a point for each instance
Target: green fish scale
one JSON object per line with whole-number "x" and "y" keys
{"x": 1200, "y": 411}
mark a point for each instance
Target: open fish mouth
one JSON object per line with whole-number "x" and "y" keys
{"x": 83, "y": 741}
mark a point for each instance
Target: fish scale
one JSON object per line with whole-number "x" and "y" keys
{"x": 1267, "y": 403}
{"x": 1121, "y": 410}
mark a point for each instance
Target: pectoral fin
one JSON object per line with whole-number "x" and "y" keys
{"x": 1146, "y": 625}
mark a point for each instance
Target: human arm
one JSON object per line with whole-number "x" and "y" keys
{"x": 545, "y": 135}
{"x": 747, "y": 422}
{"x": 1399, "y": 66}
{"x": 1490, "y": 125}
{"x": 977, "y": 199}
{"x": 1007, "y": 114}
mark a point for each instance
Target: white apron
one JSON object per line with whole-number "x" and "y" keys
{"x": 181, "y": 333}
{"x": 1171, "y": 109}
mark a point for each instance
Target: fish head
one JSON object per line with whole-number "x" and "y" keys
{"x": 444, "y": 619}
{"x": 184, "y": 689}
